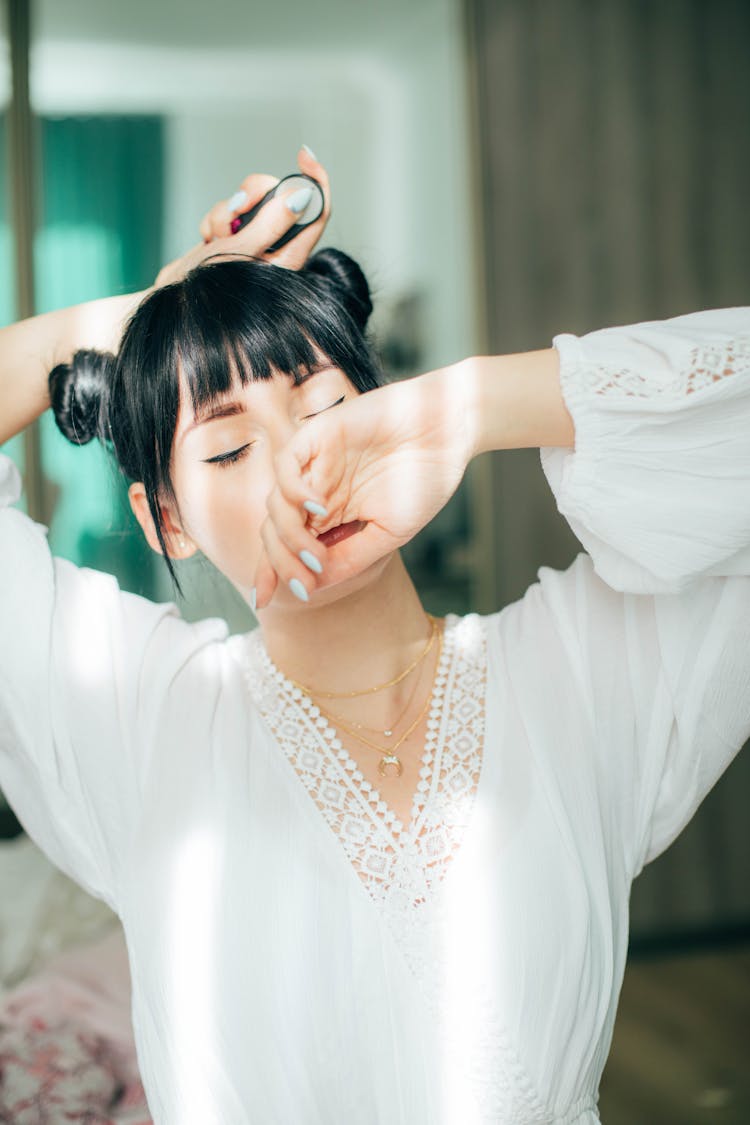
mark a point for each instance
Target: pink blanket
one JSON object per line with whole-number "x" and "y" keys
{"x": 66, "y": 1042}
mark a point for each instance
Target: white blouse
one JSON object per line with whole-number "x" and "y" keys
{"x": 297, "y": 955}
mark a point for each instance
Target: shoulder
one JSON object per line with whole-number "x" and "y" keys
{"x": 561, "y": 621}
{"x": 556, "y": 594}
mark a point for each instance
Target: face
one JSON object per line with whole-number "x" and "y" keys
{"x": 223, "y": 469}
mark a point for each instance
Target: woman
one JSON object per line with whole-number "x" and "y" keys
{"x": 371, "y": 866}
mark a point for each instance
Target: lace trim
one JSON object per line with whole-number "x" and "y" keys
{"x": 402, "y": 868}
{"x": 708, "y": 364}
{"x": 398, "y": 865}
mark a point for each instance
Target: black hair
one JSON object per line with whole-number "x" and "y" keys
{"x": 227, "y": 319}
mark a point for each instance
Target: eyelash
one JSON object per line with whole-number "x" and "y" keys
{"x": 229, "y": 458}
{"x": 234, "y": 455}
{"x": 336, "y": 403}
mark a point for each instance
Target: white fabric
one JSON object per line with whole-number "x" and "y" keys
{"x": 274, "y": 978}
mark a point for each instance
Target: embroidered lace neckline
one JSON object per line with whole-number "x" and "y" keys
{"x": 403, "y": 868}
{"x": 396, "y": 863}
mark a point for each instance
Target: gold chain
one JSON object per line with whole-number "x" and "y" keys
{"x": 387, "y": 731}
{"x": 379, "y": 687}
{"x": 387, "y": 751}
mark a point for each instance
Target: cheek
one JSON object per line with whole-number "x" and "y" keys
{"x": 223, "y": 511}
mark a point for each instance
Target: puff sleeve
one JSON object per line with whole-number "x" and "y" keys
{"x": 656, "y": 616}
{"x": 84, "y": 669}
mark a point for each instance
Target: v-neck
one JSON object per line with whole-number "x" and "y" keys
{"x": 396, "y": 862}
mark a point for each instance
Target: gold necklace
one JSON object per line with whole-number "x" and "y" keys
{"x": 389, "y": 756}
{"x": 388, "y": 733}
{"x": 379, "y": 687}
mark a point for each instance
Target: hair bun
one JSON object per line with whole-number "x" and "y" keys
{"x": 77, "y": 390}
{"x": 344, "y": 275}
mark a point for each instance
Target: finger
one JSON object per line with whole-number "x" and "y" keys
{"x": 255, "y": 186}
{"x": 289, "y": 569}
{"x": 290, "y": 522}
{"x": 312, "y": 467}
{"x": 311, "y": 166}
{"x": 265, "y": 582}
{"x": 274, "y": 220}
{"x": 216, "y": 222}
{"x": 297, "y": 251}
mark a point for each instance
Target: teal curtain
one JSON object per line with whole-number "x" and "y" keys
{"x": 100, "y": 234}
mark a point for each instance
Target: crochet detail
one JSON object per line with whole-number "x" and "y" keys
{"x": 403, "y": 868}
{"x": 398, "y": 866}
{"x": 707, "y": 365}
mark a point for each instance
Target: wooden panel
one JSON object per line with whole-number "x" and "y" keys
{"x": 614, "y": 140}
{"x": 679, "y": 1054}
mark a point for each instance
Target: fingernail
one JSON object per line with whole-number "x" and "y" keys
{"x": 298, "y": 201}
{"x": 298, "y": 590}
{"x": 315, "y": 509}
{"x": 253, "y": 599}
{"x": 311, "y": 562}
{"x": 309, "y": 152}
{"x": 239, "y": 199}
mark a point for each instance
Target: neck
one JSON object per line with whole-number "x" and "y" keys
{"x": 362, "y": 639}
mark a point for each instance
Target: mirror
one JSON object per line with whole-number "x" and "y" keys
{"x": 127, "y": 168}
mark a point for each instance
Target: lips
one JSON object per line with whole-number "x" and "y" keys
{"x": 343, "y": 531}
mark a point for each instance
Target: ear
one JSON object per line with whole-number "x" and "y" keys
{"x": 179, "y": 545}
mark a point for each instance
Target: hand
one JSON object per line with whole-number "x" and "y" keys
{"x": 273, "y": 220}
{"x": 392, "y": 457}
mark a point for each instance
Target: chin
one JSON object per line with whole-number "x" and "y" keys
{"x": 334, "y": 592}
{"x": 329, "y": 594}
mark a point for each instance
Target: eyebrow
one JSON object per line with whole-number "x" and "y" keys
{"x": 218, "y": 410}
{"x": 232, "y": 408}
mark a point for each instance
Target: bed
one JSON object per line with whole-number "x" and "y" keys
{"x": 66, "y": 1045}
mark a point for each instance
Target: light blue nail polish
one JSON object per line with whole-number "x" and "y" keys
{"x": 309, "y": 152}
{"x": 298, "y": 590}
{"x": 298, "y": 201}
{"x": 316, "y": 509}
{"x": 253, "y": 600}
{"x": 311, "y": 562}
{"x": 239, "y": 199}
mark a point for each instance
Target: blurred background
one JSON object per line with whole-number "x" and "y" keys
{"x": 503, "y": 170}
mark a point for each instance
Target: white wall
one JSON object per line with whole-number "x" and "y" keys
{"x": 379, "y": 95}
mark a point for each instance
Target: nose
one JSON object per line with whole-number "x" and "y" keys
{"x": 283, "y": 431}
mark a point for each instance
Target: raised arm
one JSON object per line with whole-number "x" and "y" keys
{"x": 395, "y": 459}
{"x": 516, "y": 401}
{"x": 31, "y": 348}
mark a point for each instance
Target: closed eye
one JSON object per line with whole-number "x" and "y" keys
{"x": 228, "y": 458}
{"x": 336, "y": 403}
{"x": 235, "y": 455}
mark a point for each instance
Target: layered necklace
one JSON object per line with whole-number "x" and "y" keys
{"x": 389, "y": 760}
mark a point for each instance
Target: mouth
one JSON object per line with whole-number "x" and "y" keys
{"x": 343, "y": 531}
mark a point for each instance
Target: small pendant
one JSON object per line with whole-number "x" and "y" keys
{"x": 390, "y": 760}
{"x": 387, "y": 733}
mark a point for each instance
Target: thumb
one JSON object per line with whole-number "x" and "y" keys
{"x": 301, "y": 467}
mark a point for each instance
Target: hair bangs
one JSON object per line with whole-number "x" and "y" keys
{"x": 229, "y": 335}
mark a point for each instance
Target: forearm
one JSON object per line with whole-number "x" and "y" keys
{"x": 515, "y": 401}
{"x": 31, "y": 348}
